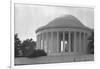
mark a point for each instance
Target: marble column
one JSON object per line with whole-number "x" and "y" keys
{"x": 86, "y": 42}
{"x": 75, "y": 48}
{"x": 51, "y": 42}
{"x": 69, "y": 40}
{"x": 42, "y": 43}
{"x": 63, "y": 41}
{"x": 38, "y": 41}
{"x": 79, "y": 42}
{"x": 82, "y": 38}
{"x": 41, "y": 40}
{"x": 47, "y": 42}
{"x": 83, "y": 42}
{"x": 57, "y": 41}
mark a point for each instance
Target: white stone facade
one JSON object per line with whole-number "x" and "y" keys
{"x": 63, "y": 40}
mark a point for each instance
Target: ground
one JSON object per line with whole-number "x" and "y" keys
{"x": 53, "y": 59}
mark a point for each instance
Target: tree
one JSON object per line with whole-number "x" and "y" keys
{"x": 91, "y": 43}
{"x": 28, "y": 46}
{"x": 17, "y": 44}
{"x": 37, "y": 53}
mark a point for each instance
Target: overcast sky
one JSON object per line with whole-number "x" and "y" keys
{"x": 28, "y": 18}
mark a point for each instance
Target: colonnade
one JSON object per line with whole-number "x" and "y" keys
{"x": 64, "y": 41}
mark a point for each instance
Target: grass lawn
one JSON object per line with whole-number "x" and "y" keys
{"x": 53, "y": 59}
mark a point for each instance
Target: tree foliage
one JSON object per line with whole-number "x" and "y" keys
{"x": 28, "y": 46}
{"x": 91, "y": 43}
{"x": 37, "y": 53}
{"x": 17, "y": 44}
{"x": 24, "y": 48}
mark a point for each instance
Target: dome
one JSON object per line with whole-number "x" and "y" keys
{"x": 67, "y": 21}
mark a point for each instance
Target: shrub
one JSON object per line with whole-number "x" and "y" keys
{"x": 37, "y": 53}
{"x": 91, "y": 44}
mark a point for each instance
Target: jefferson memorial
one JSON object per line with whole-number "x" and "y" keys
{"x": 63, "y": 35}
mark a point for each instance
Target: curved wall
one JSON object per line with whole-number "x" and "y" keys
{"x": 49, "y": 40}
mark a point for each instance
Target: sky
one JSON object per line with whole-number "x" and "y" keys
{"x": 28, "y": 18}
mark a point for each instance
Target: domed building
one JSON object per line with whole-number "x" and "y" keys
{"x": 63, "y": 35}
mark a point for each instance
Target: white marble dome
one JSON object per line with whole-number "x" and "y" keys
{"x": 67, "y": 21}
